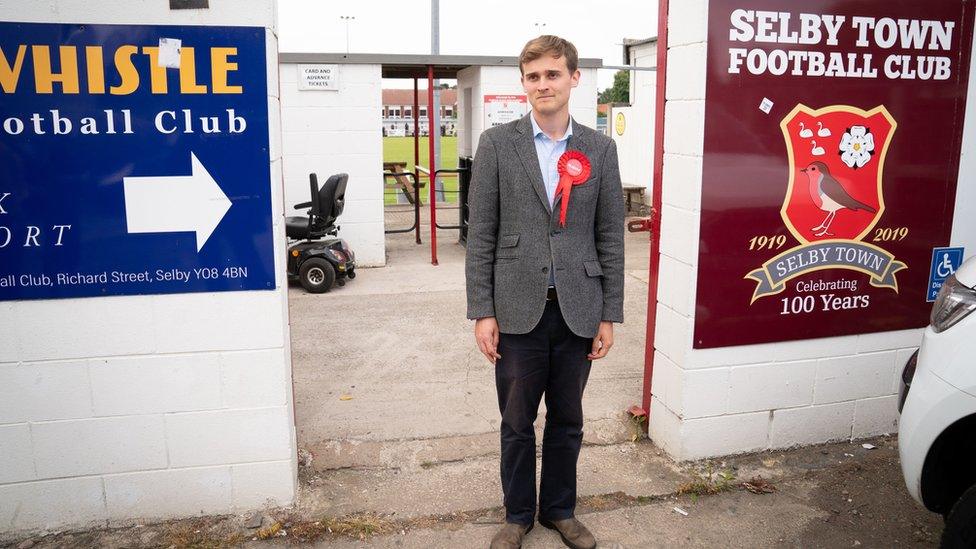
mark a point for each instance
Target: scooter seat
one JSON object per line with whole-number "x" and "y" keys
{"x": 296, "y": 227}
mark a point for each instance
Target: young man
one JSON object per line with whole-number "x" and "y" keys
{"x": 544, "y": 272}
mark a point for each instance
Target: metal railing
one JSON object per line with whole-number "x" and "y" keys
{"x": 415, "y": 199}
{"x": 464, "y": 177}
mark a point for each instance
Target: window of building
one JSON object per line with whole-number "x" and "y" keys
{"x": 408, "y": 112}
{"x": 423, "y": 112}
{"x": 448, "y": 112}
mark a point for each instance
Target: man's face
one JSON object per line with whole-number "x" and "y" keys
{"x": 547, "y": 82}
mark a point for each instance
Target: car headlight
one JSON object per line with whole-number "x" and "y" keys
{"x": 953, "y": 304}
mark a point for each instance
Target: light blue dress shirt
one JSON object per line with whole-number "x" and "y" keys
{"x": 549, "y": 151}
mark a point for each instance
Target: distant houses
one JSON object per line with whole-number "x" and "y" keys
{"x": 398, "y": 112}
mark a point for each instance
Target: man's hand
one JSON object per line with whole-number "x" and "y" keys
{"x": 602, "y": 342}
{"x": 486, "y": 335}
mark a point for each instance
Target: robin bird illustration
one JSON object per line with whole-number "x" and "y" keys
{"x": 828, "y": 194}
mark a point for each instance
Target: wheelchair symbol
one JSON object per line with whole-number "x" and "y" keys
{"x": 944, "y": 269}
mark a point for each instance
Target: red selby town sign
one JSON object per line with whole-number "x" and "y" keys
{"x": 832, "y": 137}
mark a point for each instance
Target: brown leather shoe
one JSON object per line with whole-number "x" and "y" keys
{"x": 510, "y": 536}
{"x": 574, "y": 534}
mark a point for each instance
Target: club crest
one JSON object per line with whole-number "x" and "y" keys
{"x": 834, "y": 196}
{"x": 836, "y": 158}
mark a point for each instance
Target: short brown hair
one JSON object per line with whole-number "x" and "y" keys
{"x": 552, "y": 45}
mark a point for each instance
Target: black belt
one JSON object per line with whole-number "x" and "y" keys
{"x": 551, "y": 294}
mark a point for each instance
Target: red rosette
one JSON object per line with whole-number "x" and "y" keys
{"x": 574, "y": 169}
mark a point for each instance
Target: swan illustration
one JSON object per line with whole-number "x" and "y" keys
{"x": 805, "y": 132}
{"x": 822, "y": 132}
{"x": 817, "y": 151}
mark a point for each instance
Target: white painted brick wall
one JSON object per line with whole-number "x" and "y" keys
{"x": 207, "y": 438}
{"x": 684, "y": 126}
{"x": 704, "y": 392}
{"x": 691, "y": 85}
{"x": 253, "y": 379}
{"x": 261, "y": 484}
{"x": 102, "y": 399}
{"x": 771, "y": 386}
{"x": 329, "y": 132}
{"x": 98, "y": 445}
{"x": 876, "y": 416}
{"x": 963, "y": 232}
{"x": 9, "y": 343}
{"x": 665, "y": 428}
{"x": 232, "y": 322}
{"x": 172, "y": 492}
{"x": 153, "y": 385}
{"x": 45, "y": 391}
{"x": 16, "y": 462}
{"x": 666, "y": 383}
{"x": 95, "y": 327}
{"x": 719, "y": 401}
{"x": 52, "y": 504}
{"x": 679, "y": 234}
{"x": 811, "y": 424}
{"x": 687, "y": 23}
{"x": 853, "y": 377}
{"x": 682, "y": 182}
{"x": 726, "y": 434}
{"x": 673, "y": 288}
{"x": 672, "y": 334}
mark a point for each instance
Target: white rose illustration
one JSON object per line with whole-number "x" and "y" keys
{"x": 856, "y": 147}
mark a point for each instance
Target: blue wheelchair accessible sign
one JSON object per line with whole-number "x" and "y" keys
{"x": 133, "y": 160}
{"x": 945, "y": 261}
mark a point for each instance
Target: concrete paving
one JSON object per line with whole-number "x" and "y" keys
{"x": 631, "y": 496}
{"x": 473, "y": 484}
{"x": 386, "y": 369}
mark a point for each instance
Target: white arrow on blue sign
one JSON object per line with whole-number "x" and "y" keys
{"x": 202, "y": 203}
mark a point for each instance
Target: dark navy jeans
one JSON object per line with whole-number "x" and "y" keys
{"x": 550, "y": 360}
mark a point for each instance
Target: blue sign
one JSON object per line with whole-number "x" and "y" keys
{"x": 945, "y": 261}
{"x": 133, "y": 160}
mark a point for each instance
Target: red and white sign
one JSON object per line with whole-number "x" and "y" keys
{"x": 502, "y": 109}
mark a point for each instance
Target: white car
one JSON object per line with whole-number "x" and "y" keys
{"x": 937, "y": 431}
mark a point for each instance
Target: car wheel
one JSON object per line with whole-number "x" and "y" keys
{"x": 316, "y": 275}
{"x": 960, "y": 529}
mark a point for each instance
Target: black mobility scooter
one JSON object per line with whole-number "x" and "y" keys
{"x": 315, "y": 260}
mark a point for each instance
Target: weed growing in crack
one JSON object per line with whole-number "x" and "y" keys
{"x": 706, "y": 481}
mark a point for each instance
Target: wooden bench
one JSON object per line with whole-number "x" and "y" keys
{"x": 401, "y": 182}
{"x": 629, "y": 192}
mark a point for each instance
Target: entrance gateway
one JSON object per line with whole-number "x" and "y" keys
{"x": 336, "y": 127}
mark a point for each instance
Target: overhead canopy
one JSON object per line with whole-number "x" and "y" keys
{"x": 414, "y": 66}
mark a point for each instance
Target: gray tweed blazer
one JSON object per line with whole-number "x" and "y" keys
{"x": 514, "y": 235}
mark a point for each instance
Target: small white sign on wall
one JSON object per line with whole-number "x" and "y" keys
{"x": 318, "y": 77}
{"x": 501, "y": 109}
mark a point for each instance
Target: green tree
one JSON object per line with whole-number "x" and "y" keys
{"x": 620, "y": 91}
